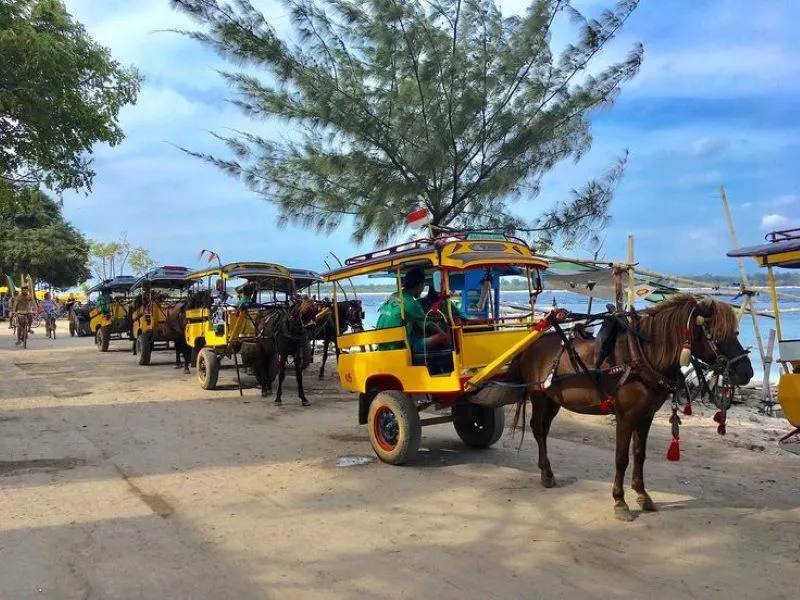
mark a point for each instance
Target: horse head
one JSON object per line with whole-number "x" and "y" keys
{"x": 707, "y": 328}
{"x": 351, "y": 315}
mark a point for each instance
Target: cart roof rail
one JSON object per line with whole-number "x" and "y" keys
{"x": 445, "y": 237}
{"x": 781, "y": 250}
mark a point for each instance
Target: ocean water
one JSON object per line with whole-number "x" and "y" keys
{"x": 790, "y": 322}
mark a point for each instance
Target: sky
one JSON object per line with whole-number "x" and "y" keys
{"x": 715, "y": 104}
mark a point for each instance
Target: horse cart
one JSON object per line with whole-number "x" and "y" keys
{"x": 217, "y": 326}
{"x": 109, "y": 313}
{"x": 782, "y": 250}
{"x": 158, "y": 313}
{"x": 79, "y": 320}
{"x": 399, "y": 371}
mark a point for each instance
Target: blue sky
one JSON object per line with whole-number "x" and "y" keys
{"x": 716, "y": 103}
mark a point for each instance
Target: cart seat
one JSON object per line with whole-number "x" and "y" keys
{"x": 439, "y": 362}
{"x": 789, "y": 350}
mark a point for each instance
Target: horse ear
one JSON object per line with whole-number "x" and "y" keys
{"x": 705, "y": 307}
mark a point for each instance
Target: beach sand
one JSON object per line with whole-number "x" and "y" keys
{"x": 121, "y": 481}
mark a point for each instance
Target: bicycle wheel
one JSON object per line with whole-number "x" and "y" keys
{"x": 24, "y": 334}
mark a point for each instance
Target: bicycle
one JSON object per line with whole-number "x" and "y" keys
{"x": 50, "y": 325}
{"x": 25, "y": 324}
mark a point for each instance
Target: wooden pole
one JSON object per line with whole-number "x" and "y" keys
{"x": 631, "y": 291}
{"x": 766, "y": 396}
{"x": 742, "y": 273}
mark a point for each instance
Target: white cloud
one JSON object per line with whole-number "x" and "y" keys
{"x": 708, "y": 146}
{"x": 786, "y": 200}
{"x": 773, "y": 220}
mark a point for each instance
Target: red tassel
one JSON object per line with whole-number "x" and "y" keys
{"x": 607, "y": 406}
{"x": 721, "y": 429}
{"x": 718, "y": 417}
{"x": 687, "y": 409}
{"x": 674, "y": 451}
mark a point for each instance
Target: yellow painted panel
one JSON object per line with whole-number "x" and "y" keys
{"x": 479, "y": 349}
{"x": 356, "y": 368}
{"x": 789, "y": 397}
{"x": 376, "y": 336}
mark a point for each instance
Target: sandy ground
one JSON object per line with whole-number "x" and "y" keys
{"x": 121, "y": 481}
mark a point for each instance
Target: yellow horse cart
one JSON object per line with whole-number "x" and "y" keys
{"x": 782, "y": 250}
{"x": 393, "y": 370}
{"x": 156, "y": 295}
{"x": 109, "y": 312}
{"x": 215, "y": 319}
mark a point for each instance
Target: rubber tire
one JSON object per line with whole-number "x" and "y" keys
{"x": 207, "y": 368}
{"x": 101, "y": 339}
{"x": 409, "y": 426}
{"x": 479, "y": 426}
{"x": 144, "y": 347}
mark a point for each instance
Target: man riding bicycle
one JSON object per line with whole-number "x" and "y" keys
{"x": 24, "y": 307}
{"x": 50, "y": 311}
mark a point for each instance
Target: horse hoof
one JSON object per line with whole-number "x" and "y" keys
{"x": 278, "y": 401}
{"x": 322, "y": 375}
{"x": 186, "y": 371}
{"x": 623, "y": 513}
{"x": 548, "y": 481}
{"x": 646, "y": 503}
{"x": 265, "y": 393}
{"x": 305, "y": 403}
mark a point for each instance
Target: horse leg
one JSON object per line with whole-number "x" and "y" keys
{"x": 624, "y": 431}
{"x": 324, "y": 358}
{"x": 640, "y": 433}
{"x": 281, "y": 375}
{"x": 187, "y": 357}
{"x": 544, "y": 411}
{"x": 299, "y": 377}
{"x": 262, "y": 373}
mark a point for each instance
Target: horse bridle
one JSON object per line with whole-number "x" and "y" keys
{"x": 722, "y": 363}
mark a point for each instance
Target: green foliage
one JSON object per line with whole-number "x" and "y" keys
{"x": 109, "y": 259}
{"x": 60, "y": 93}
{"x": 406, "y": 103}
{"x": 141, "y": 261}
{"x": 36, "y": 240}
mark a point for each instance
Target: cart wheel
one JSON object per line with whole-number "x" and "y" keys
{"x": 143, "y": 348}
{"x": 478, "y": 426}
{"x": 207, "y": 368}
{"x": 395, "y": 430}
{"x": 101, "y": 339}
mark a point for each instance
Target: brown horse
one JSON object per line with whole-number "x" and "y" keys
{"x": 639, "y": 367}
{"x": 282, "y": 333}
{"x": 351, "y": 316}
{"x": 171, "y": 329}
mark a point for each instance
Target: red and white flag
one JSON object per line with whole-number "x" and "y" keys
{"x": 419, "y": 218}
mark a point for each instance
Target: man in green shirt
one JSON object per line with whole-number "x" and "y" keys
{"x": 104, "y": 302}
{"x": 422, "y": 333}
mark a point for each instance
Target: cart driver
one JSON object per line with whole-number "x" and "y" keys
{"x": 104, "y": 302}
{"x": 422, "y": 336}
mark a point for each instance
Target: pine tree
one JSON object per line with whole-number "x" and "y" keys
{"x": 405, "y": 103}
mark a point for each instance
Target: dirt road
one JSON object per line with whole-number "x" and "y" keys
{"x": 129, "y": 482}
